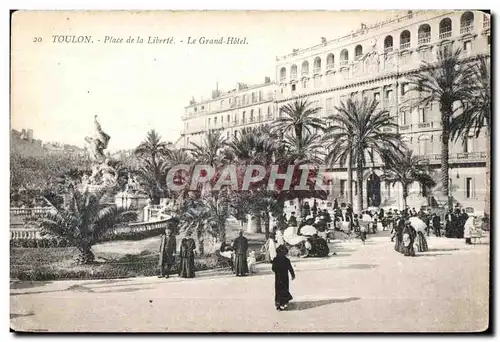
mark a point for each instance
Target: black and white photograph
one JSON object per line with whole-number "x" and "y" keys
{"x": 250, "y": 171}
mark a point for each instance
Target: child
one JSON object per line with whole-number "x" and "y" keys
{"x": 281, "y": 267}
{"x": 252, "y": 261}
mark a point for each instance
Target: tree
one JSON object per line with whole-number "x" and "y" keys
{"x": 153, "y": 152}
{"x": 358, "y": 131}
{"x": 476, "y": 115}
{"x": 406, "y": 169}
{"x": 211, "y": 151}
{"x": 447, "y": 82}
{"x": 298, "y": 117}
{"x": 83, "y": 221}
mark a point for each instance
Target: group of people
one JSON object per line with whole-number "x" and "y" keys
{"x": 168, "y": 249}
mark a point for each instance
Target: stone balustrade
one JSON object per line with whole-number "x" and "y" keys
{"x": 35, "y": 211}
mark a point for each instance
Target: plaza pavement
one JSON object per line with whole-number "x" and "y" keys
{"x": 364, "y": 288}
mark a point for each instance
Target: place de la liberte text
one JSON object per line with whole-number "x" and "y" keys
{"x": 74, "y": 39}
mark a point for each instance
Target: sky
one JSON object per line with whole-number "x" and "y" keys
{"x": 57, "y": 88}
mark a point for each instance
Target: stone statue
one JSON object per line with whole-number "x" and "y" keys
{"x": 98, "y": 143}
{"x": 132, "y": 184}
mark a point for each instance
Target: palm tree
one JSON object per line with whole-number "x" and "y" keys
{"x": 83, "y": 221}
{"x": 358, "y": 131}
{"x": 299, "y": 118}
{"x": 305, "y": 149}
{"x": 211, "y": 151}
{"x": 406, "y": 169}
{"x": 447, "y": 82}
{"x": 476, "y": 115}
{"x": 153, "y": 152}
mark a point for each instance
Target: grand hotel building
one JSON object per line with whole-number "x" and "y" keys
{"x": 372, "y": 62}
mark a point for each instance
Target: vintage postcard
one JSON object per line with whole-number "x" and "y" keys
{"x": 250, "y": 171}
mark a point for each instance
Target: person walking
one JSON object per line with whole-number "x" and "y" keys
{"x": 270, "y": 247}
{"x": 167, "y": 250}
{"x": 468, "y": 227}
{"x": 281, "y": 267}
{"x": 436, "y": 224}
{"x": 409, "y": 235}
{"x": 240, "y": 246}
{"x": 187, "y": 256}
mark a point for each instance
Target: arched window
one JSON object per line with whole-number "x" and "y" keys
{"x": 424, "y": 145}
{"x": 330, "y": 61}
{"x": 358, "y": 52}
{"x": 405, "y": 40}
{"x": 317, "y": 65}
{"x": 283, "y": 74}
{"x": 344, "y": 57}
{"x": 237, "y": 100}
{"x": 305, "y": 68}
{"x": 466, "y": 22}
{"x": 293, "y": 72}
{"x": 388, "y": 44}
{"x": 424, "y": 34}
{"x": 445, "y": 28}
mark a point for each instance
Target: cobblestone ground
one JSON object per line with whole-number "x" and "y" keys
{"x": 364, "y": 288}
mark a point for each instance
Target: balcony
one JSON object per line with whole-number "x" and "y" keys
{"x": 269, "y": 117}
{"x": 424, "y": 38}
{"x": 293, "y": 77}
{"x": 425, "y": 125}
{"x": 446, "y": 33}
{"x": 316, "y": 71}
{"x": 467, "y": 28}
{"x": 282, "y": 79}
{"x": 344, "y": 62}
{"x": 330, "y": 66}
{"x": 388, "y": 49}
{"x": 469, "y": 156}
{"x": 486, "y": 24}
{"x": 235, "y": 122}
{"x": 404, "y": 45}
{"x": 252, "y": 119}
{"x": 243, "y": 121}
{"x": 404, "y": 127}
{"x": 305, "y": 73}
{"x": 259, "y": 118}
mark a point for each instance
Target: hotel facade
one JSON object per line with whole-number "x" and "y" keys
{"x": 373, "y": 61}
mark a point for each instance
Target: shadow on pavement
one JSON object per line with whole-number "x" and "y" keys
{"x": 359, "y": 266}
{"x": 14, "y": 315}
{"x": 442, "y": 249}
{"x": 426, "y": 254}
{"x": 19, "y": 285}
{"x": 310, "y": 304}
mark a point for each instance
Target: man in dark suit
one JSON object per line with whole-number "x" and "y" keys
{"x": 167, "y": 250}
{"x": 436, "y": 224}
{"x": 240, "y": 247}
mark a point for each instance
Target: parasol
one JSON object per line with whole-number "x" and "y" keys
{"x": 308, "y": 230}
{"x": 418, "y": 224}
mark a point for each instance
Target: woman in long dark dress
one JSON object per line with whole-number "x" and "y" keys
{"x": 422, "y": 242}
{"x": 281, "y": 267}
{"x": 409, "y": 235}
{"x": 398, "y": 230}
{"x": 187, "y": 257}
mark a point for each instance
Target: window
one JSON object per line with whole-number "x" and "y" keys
{"x": 404, "y": 88}
{"x": 282, "y": 89}
{"x": 404, "y": 117}
{"x": 202, "y": 108}
{"x": 243, "y": 119}
{"x": 376, "y": 96}
{"x": 358, "y": 52}
{"x": 195, "y": 109}
{"x": 355, "y": 188}
{"x": 209, "y": 122}
{"x": 293, "y": 87}
{"x": 468, "y": 144}
{"x": 304, "y": 84}
{"x": 467, "y": 48}
{"x": 221, "y": 120}
{"x": 388, "y": 95}
{"x": 221, "y": 104}
{"x": 422, "y": 115}
{"x": 388, "y": 190}
{"x": 215, "y": 121}
{"x": 342, "y": 187}
{"x": 251, "y": 116}
{"x": 228, "y": 118}
{"x": 244, "y": 100}
{"x": 254, "y": 97}
{"x": 317, "y": 81}
{"x": 468, "y": 187}
{"x": 329, "y": 105}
